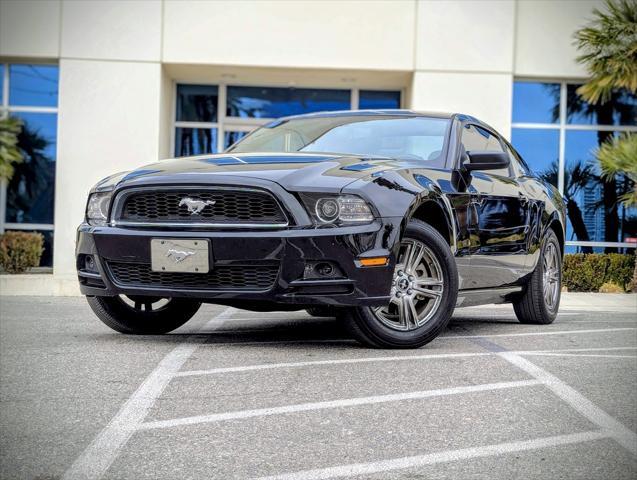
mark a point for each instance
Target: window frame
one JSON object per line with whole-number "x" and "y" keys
{"x": 245, "y": 124}
{"x": 562, "y": 126}
{"x": 5, "y": 110}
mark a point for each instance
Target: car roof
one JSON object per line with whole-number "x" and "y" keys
{"x": 461, "y": 117}
{"x": 371, "y": 113}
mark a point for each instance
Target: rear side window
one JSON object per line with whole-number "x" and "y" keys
{"x": 478, "y": 139}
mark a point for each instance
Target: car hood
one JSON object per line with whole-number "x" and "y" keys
{"x": 292, "y": 171}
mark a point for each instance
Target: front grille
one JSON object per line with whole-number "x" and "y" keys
{"x": 211, "y": 206}
{"x": 227, "y": 277}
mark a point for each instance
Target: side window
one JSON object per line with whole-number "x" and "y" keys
{"x": 519, "y": 167}
{"x": 476, "y": 138}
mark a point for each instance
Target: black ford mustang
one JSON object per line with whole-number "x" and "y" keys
{"x": 387, "y": 219}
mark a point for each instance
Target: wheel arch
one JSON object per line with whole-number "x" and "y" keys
{"x": 433, "y": 211}
{"x": 556, "y": 225}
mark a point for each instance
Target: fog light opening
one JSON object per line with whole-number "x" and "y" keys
{"x": 89, "y": 263}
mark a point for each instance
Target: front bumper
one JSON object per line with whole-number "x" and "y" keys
{"x": 290, "y": 250}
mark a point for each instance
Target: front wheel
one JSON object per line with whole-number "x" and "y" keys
{"x": 423, "y": 294}
{"x": 540, "y": 301}
{"x": 143, "y": 315}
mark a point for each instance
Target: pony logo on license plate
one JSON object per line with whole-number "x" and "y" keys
{"x": 177, "y": 255}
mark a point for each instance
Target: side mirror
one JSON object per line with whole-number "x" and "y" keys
{"x": 481, "y": 160}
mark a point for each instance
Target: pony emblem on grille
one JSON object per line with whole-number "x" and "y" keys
{"x": 194, "y": 206}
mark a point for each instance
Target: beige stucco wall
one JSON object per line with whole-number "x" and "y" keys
{"x": 108, "y": 122}
{"x": 119, "y": 61}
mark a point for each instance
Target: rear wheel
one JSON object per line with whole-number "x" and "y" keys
{"x": 143, "y": 315}
{"x": 423, "y": 294}
{"x": 541, "y": 299}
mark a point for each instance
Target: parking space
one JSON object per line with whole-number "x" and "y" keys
{"x": 236, "y": 394}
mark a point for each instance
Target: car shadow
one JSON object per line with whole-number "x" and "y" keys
{"x": 308, "y": 331}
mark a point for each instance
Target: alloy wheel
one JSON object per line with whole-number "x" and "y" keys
{"x": 551, "y": 276}
{"x": 417, "y": 288}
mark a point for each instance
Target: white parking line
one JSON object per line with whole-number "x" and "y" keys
{"x": 587, "y": 355}
{"x": 531, "y": 334}
{"x": 98, "y": 456}
{"x": 624, "y": 436}
{"x": 441, "y": 337}
{"x": 269, "y": 366}
{"x": 437, "y": 457}
{"x": 395, "y": 358}
{"x": 346, "y": 402}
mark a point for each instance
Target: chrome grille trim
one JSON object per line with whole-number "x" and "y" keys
{"x": 120, "y": 198}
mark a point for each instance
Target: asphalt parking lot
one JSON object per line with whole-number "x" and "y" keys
{"x": 235, "y": 394}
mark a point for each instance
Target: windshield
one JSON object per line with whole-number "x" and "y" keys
{"x": 408, "y": 138}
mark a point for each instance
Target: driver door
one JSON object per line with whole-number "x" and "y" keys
{"x": 501, "y": 215}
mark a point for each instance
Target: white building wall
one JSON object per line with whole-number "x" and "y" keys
{"x": 119, "y": 61}
{"x": 307, "y": 34}
{"x": 108, "y": 122}
{"x": 544, "y": 37}
{"x": 30, "y": 28}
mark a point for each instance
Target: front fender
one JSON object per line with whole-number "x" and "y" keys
{"x": 399, "y": 193}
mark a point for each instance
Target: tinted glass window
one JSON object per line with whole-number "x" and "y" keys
{"x": 197, "y": 103}
{"x": 535, "y": 102}
{"x": 478, "y": 139}
{"x": 540, "y": 148}
{"x": 195, "y": 141}
{"x": 413, "y": 138}
{"x": 30, "y": 193}
{"x": 378, "y": 100}
{"x": 266, "y": 102}
{"x": 33, "y": 85}
{"x": 584, "y": 193}
{"x": 621, "y": 109}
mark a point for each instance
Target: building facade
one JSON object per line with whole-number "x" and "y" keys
{"x": 106, "y": 86}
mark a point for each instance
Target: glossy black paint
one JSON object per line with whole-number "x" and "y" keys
{"x": 494, "y": 224}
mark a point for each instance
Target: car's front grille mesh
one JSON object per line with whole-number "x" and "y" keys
{"x": 207, "y": 206}
{"x": 226, "y": 277}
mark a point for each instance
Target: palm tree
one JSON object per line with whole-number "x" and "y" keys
{"x": 575, "y": 179}
{"x": 608, "y": 49}
{"x": 10, "y": 154}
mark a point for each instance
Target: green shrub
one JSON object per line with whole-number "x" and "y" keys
{"x": 588, "y": 272}
{"x": 20, "y": 251}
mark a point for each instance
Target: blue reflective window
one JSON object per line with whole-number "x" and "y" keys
{"x": 197, "y": 103}
{"x": 378, "y": 100}
{"x": 33, "y": 85}
{"x": 268, "y": 102}
{"x": 540, "y": 148}
{"x": 535, "y": 102}
{"x": 584, "y": 192}
{"x": 621, "y": 109}
{"x": 31, "y": 190}
{"x": 195, "y": 141}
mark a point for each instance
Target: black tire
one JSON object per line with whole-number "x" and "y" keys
{"x": 367, "y": 329}
{"x": 124, "y": 318}
{"x": 532, "y": 307}
{"x": 322, "y": 311}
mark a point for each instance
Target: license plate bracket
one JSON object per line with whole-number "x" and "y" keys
{"x": 180, "y": 255}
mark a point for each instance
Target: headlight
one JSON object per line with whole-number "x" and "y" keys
{"x": 97, "y": 208}
{"x": 326, "y": 209}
